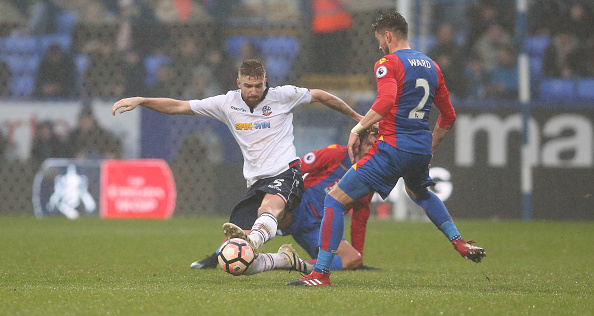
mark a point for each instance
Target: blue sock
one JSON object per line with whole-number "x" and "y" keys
{"x": 438, "y": 214}
{"x": 218, "y": 249}
{"x": 336, "y": 263}
{"x": 331, "y": 232}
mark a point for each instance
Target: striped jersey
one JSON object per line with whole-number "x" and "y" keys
{"x": 322, "y": 170}
{"x": 408, "y": 83}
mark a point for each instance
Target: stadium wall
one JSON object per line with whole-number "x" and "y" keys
{"x": 482, "y": 155}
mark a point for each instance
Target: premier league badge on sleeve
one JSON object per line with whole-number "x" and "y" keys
{"x": 381, "y": 71}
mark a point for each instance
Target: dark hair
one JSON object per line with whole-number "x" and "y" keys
{"x": 393, "y": 22}
{"x": 365, "y": 133}
{"x": 252, "y": 68}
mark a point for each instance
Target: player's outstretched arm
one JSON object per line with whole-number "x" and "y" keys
{"x": 334, "y": 103}
{"x": 162, "y": 105}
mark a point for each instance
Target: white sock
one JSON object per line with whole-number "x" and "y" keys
{"x": 268, "y": 261}
{"x": 263, "y": 230}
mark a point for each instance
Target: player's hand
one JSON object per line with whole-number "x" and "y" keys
{"x": 352, "y": 146}
{"x": 126, "y": 105}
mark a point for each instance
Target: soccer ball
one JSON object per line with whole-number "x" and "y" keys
{"x": 235, "y": 256}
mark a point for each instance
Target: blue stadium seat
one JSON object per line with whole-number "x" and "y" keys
{"x": 81, "y": 61}
{"x": 280, "y": 46}
{"x": 536, "y": 67}
{"x": 234, "y": 43}
{"x": 22, "y": 64}
{"x": 461, "y": 38}
{"x": 19, "y": 45}
{"x": 65, "y": 41}
{"x": 557, "y": 89}
{"x": 152, "y": 64}
{"x": 277, "y": 70}
{"x": 536, "y": 45}
{"x": 22, "y": 86}
{"x": 423, "y": 43}
{"x": 585, "y": 88}
{"x": 279, "y": 53}
{"x": 65, "y": 22}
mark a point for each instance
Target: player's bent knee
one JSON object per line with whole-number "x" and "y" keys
{"x": 340, "y": 196}
{"x": 421, "y": 195}
{"x": 278, "y": 213}
{"x": 351, "y": 258}
{"x": 352, "y": 262}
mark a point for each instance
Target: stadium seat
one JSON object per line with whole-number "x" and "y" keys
{"x": 234, "y": 43}
{"x": 280, "y": 46}
{"x": 277, "y": 70}
{"x": 585, "y": 88}
{"x": 81, "y": 61}
{"x": 279, "y": 53}
{"x": 557, "y": 89}
{"x": 22, "y": 86}
{"x": 19, "y": 45}
{"x": 65, "y": 22}
{"x": 536, "y": 67}
{"x": 65, "y": 41}
{"x": 22, "y": 64}
{"x": 152, "y": 64}
{"x": 423, "y": 43}
{"x": 536, "y": 45}
{"x": 461, "y": 38}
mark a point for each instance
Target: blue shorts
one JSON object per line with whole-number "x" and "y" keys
{"x": 380, "y": 169}
{"x": 307, "y": 220}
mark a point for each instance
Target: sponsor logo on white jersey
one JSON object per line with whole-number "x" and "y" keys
{"x": 251, "y": 126}
{"x": 238, "y": 109}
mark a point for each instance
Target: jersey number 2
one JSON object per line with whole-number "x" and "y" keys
{"x": 416, "y": 113}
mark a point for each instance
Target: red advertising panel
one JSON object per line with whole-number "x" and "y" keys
{"x": 137, "y": 189}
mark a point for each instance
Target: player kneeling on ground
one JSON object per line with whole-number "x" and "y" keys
{"x": 322, "y": 169}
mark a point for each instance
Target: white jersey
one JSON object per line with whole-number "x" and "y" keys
{"x": 265, "y": 135}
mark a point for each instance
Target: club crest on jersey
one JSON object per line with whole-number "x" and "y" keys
{"x": 381, "y": 71}
{"x": 266, "y": 110}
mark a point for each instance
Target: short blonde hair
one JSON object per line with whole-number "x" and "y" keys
{"x": 252, "y": 68}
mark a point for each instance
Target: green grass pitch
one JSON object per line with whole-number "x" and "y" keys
{"x": 91, "y": 266}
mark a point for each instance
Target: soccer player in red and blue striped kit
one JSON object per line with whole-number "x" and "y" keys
{"x": 322, "y": 169}
{"x": 408, "y": 82}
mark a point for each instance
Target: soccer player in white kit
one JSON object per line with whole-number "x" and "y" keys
{"x": 261, "y": 121}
